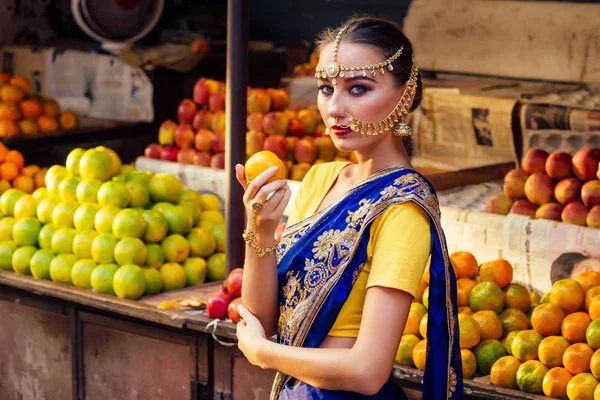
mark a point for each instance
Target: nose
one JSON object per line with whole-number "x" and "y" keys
{"x": 336, "y": 108}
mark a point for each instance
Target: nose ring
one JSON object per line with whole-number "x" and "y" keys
{"x": 343, "y": 126}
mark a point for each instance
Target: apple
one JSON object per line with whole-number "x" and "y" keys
{"x": 166, "y": 133}
{"x": 279, "y": 231}
{"x": 539, "y": 188}
{"x": 218, "y": 141}
{"x": 186, "y": 156}
{"x": 574, "y": 213}
{"x": 586, "y": 162}
{"x": 218, "y": 121}
{"x": 326, "y": 150}
{"x": 203, "y": 140}
{"x": 299, "y": 171}
{"x": 593, "y": 218}
{"x": 232, "y": 311}
{"x": 305, "y": 151}
{"x": 186, "y": 111}
{"x": 290, "y": 113}
{"x": 200, "y": 46}
{"x": 280, "y": 99}
{"x": 291, "y": 144}
{"x": 202, "y": 120}
{"x": 567, "y": 190}
{"x": 514, "y": 183}
{"x": 254, "y": 142}
{"x": 321, "y": 130}
{"x": 310, "y": 119}
{"x": 558, "y": 165}
{"x": 153, "y": 151}
{"x": 277, "y": 145}
{"x": 218, "y": 161}
{"x": 523, "y": 207}
{"x": 535, "y": 161}
{"x": 184, "y": 136}
{"x": 234, "y": 282}
{"x": 254, "y": 121}
{"x": 168, "y": 153}
{"x": 202, "y": 158}
{"x": 216, "y": 102}
{"x": 276, "y": 123}
{"x": 550, "y": 211}
{"x": 217, "y": 304}
{"x": 204, "y": 88}
{"x": 259, "y": 101}
{"x": 590, "y": 193}
{"x": 499, "y": 204}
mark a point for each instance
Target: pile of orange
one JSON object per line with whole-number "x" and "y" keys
{"x": 490, "y": 308}
{"x": 14, "y": 173}
{"x": 22, "y": 113}
{"x": 559, "y": 356}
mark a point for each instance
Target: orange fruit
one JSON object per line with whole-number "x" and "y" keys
{"x": 39, "y": 178}
{"x": 489, "y": 324}
{"x": 574, "y": 327}
{"x": 469, "y": 363}
{"x": 547, "y": 319}
{"x": 499, "y": 271}
{"x": 555, "y": 383}
{"x": 8, "y": 171}
{"x": 469, "y": 331}
{"x": 551, "y": 351}
{"x": 3, "y": 153}
{"x": 423, "y": 326}
{"x": 465, "y": 264}
{"x": 16, "y": 158}
{"x": 426, "y": 276}
{"x": 517, "y": 296}
{"x": 487, "y": 352}
{"x": 582, "y": 387}
{"x": 568, "y": 294}
{"x": 595, "y": 308}
{"x": 590, "y": 295}
{"x": 535, "y": 298}
{"x": 525, "y": 345}
{"x": 30, "y": 170}
{"x": 47, "y": 124}
{"x": 51, "y": 108}
{"x": 9, "y": 112}
{"x": 595, "y": 364}
{"x": 508, "y": 341}
{"x": 68, "y": 120}
{"x": 420, "y": 354}
{"x": 405, "y": 350}
{"x": 465, "y": 310}
{"x": 486, "y": 296}
{"x": 28, "y": 127}
{"x": 588, "y": 280}
{"x": 12, "y": 94}
{"x": 31, "y": 109}
{"x": 9, "y": 129}
{"x": 4, "y": 186}
{"x": 577, "y": 357}
{"x": 513, "y": 320}
{"x": 22, "y": 83}
{"x": 415, "y": 315}
{"x": 24, "y": 183}
{"x": 592, "y": 334}
{"x": 463, "y": 290}
{"x": 5, "y": 78}
{"x": 530, "y": 376}
{"x": 504, "y": 372}
{"x": 260, "y": 162}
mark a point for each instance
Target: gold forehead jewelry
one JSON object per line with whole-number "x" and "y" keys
{"x": 334, "y": 70}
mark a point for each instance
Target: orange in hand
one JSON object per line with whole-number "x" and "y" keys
{"x": 260, "y": 162}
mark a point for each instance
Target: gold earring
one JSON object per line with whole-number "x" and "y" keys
{"x": 327, "y": 131}
{"x": 403, "y": 128}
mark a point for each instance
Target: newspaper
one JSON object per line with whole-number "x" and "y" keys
{"x": 99, "y": 86}
{"x": 465, "y": 130}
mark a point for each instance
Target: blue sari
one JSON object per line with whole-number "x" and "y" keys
{"x": 319, "y": 260}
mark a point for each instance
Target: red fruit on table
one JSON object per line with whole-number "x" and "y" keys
{"x": 184, "y": 136}
{"x": 168, "y": 154}
{"x": 234, "y": 283}
{"x": 552, "y": 211}
{"x": 218, "y": 161}
{"x": 558, "y": 165}
{"x": 514, "y": 183}
{"x": 153, "y": 151}
{"x": 575, "y": 213}
{"x": 593, "y": 218}
{"x": 523, "y": 207}
{"x": 585, "y": 163}
{"x": 202, "y": 120}
{"x": 166, "y": 133}
{"x": 590, "y": 193}
{"x": 567, "y": 190}
{"x": 186, "y": 111}
{"x": 539, "y": 188}
{"x": 535, "y": 161}
{"x": 232, "y": 311}
{"x": 217, "y": 305}
{"x": 218, "y": 141}
{"x": 216, "y": 102}
{"x": 186, "y": 156}
{"x": 202, "y": 158}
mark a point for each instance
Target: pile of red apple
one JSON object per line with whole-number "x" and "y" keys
{"x": 223, "y": 304}
{"x": 554, "y": 186}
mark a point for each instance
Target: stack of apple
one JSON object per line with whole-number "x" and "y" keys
{"x": 223, "y": 304}
{"x": 554, "y": 186}
{"x": 307, "y": 69}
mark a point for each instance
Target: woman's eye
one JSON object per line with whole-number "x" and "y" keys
{"x": 359, "y": 89}
{"x": 326, "y": 89}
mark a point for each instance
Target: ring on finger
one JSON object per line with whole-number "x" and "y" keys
{"x": 258, "y": 205}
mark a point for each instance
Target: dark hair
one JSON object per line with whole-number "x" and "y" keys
{"x": 387, "y": 37}
{"x": 563, "y": 265}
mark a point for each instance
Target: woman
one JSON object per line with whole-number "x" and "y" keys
{"x": 571, "y": 265}
{"x": 349, "y": 263}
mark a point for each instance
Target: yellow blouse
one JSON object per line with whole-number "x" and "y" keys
{"x": 397, "y": 252}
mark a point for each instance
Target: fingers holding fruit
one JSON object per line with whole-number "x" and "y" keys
{"x": 240, "y": 174}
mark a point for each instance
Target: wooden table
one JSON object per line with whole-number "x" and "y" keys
{"x": 61, "y": 342}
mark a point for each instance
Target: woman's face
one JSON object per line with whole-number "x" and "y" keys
{"x": 591, "y": 264}
{"x": 370, "y": 99}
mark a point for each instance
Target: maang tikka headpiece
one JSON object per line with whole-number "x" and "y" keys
{"x": 397, "y": 118}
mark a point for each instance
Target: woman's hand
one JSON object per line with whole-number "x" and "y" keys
{"x": 250, "y": 334}
{"x": 259, "y": 190}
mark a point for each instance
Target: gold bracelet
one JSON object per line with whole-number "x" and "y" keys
{"x": 249, "y": 235}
